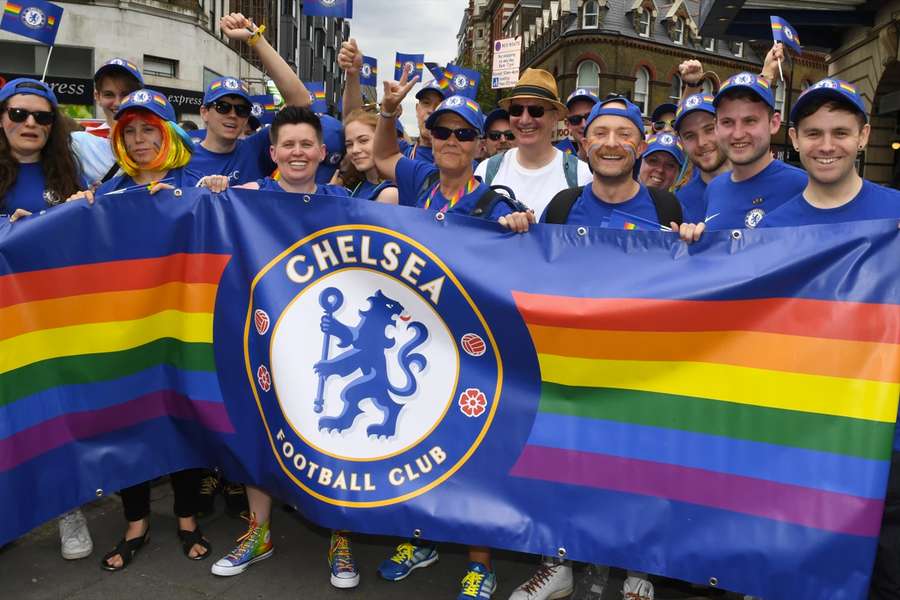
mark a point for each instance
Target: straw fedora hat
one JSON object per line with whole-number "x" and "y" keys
{"x": 539, "y": 85}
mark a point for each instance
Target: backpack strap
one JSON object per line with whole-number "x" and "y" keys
{"x": 493, "y": 165}
{"x": 429, "y": 182}
{"x": 668, "y": 208}
{"x": 561, "y": 205}
{"x": 489, "y": 199}
{"x": 570, "y": 169}
{"x": 109, "y": 174}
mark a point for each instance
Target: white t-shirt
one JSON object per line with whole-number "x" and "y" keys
{"x": 94, "y": 153}
{"x": 534, "y": 187}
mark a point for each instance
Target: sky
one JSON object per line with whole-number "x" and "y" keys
{"x": 383, "y": 27}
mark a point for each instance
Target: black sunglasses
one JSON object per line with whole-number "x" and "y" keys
{"x": 463, "y": 134}
{"x": 535, "y": 110}
{"x": 577, "y": 119}
{"x": 223, "y": 108}
{"x": 660, "y": 125}
{"x": 496, "y": 135}
{"x": 41, "y": 117}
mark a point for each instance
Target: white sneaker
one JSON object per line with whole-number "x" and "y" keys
{"x": 637, "y": 588}
{"x": 551, "y": 582}
{"x": 74, "y": 537}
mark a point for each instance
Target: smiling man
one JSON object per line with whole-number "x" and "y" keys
{"x": 579, "y": 104}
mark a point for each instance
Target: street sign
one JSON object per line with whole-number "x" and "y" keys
{"x": 507, "y": 57}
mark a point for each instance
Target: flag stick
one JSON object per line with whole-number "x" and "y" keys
{"x": 47, "y": 64}
{"x": 780, "y": 72}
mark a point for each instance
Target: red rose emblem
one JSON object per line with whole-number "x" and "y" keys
{"x": 265, "y": 380}
{"x": 472, "y": 402}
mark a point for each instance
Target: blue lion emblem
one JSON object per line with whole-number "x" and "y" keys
{"x": 366, "y": 351}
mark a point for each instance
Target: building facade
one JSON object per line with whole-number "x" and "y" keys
{"x": 177, "y": 45}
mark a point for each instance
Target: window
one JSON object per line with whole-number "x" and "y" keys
{"x": 642, "y": 89}
{"x": 591, "y": 15}
{"x": 779, "y": 101}
{"x": 709, "y": 44}
{"x": 675, "y": 92}
{"x": 678, "y": 31}
{"x": 478, "y": 59}
{"x": 161, "y": 67}
{"x": 588, "y": 76}
{"x": 479, "y": 33}
{"x": 319, "y": 46}
{"x": 738, "y": 49}
{"x": 643, "y": 23}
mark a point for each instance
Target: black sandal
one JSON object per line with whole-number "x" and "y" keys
{"x": 127, "y": 549}
{"x": 189, "y": 539}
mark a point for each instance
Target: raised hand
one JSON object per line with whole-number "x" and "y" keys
{"x": 350, "y": 59}
{"x": 691, "y": 71}
{"x": 770, "y": 65}
{"x": 237, "y": 27}
{"x": 396, "y": 91}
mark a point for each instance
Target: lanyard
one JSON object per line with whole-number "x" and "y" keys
{"x": 467, "y": 189}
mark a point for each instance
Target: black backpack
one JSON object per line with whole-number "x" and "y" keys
{"x": 668, "y": 208}
{"x": 486, "y": 202}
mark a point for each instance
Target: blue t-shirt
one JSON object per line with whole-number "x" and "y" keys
{"x": 691, "y": 197}
{"x": 121, "y": 182}
{"x": 591, "y": 211}
{"x": 412, "y": 175}
{"x": 366, "y": 190}
{"x": 567, "y": 146}
{"x": 872, "y": 202}
{"x": 731, "y": 205}
{"x": 419, "y": 152}
{"x": 27, "y": 192}
{"x": 271, "y": 185}
{"x": 248, "y": 161}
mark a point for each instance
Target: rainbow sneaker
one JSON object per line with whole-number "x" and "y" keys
{"x": 343, "y": 568}
{"x": 253, "y": 546}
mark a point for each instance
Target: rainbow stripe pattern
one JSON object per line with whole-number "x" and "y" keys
{"x": 35, "y": 19}
{"x": 12, "y": 9}
{"x": 83, "y": 350}
{"x": 723, "y": 405}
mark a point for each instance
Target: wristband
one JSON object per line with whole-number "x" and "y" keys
{"x": 254, "y": 38}
{"x": 392, "y": 115}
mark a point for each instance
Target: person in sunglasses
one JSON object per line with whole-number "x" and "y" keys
{"x": 534, "y": 170}
{"x": 662, "y": 120}
{"x": 579, "y": 103}
{"x": 498, "y": 137}
{"x": 661, "y": 161}
{"x": 37, "y": 168}
{"x": 227, "y": 106}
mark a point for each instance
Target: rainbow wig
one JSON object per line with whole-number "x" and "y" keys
{"x": 174, "y": 152}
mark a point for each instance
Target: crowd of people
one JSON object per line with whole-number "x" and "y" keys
{"x": 705, "y": 163}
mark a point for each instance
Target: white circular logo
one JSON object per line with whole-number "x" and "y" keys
{"x": 753, "y": 217}
{"x": 826, "y": 83}
{"x": 666, "y": 140}
{"x": 581, "y": 92}
{"x": 141, "y": 97}
{"x": 33, "y": 17}
{"x": 409, "y": 66}
{"x": 788, "y": 33}
{"x": 454, "y": 101}
{"x": 743, "y": 79}
{"x": 460, "y": 81}
{"x": 118, "y": 62}
{"x": 366, "y": 70}
{"x": 231, "y": 84}
{"x": 693, "y": 101}
{"x": 257, "y": 109}
{"x": 328, "y": 3}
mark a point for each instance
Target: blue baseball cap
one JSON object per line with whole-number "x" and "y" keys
{"x": 582, "y": 94}
{"x": 465, "y": 107}
{"x": 227, "y": 86}
{"x": 119, "y": 64}
{"x": 665, "y": 142}
{"x": 495, "y": 115}
{"x": 431, "y": 86}
{"x": 831, "y": 89}
{"x": 151, "y": 100}
{"x": 333, "y": 138}
{"x": 630, "y": 112}
{"x": 747, "y": 81}
{"x": 665, "y": 107}
{"x": 693, "y": 103}
{"x": 24, "y": 85}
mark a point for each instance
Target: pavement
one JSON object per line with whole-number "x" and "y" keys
{"x": 32, "y": 568}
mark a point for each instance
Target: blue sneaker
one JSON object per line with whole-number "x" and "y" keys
{"x": 343, "y": 568}
{"x": 407, "y": 559}
{"x": 477, "y": 583}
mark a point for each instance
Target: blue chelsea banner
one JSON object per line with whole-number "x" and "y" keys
{"x": 722, "y": 410}
{"x": 328, "y": 8}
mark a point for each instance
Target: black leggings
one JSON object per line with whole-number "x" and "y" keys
{"x": 185, "y": 484}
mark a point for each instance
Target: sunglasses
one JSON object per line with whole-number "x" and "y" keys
{"x": 41, "y": 117}
{"x": 577, "y": 119}
{"x": 496, "y": 135}
{"x": 463, "y": 134}
{"x": 536, "y": 111}
{"x": 223, "y": 108}
{"x": 660, "y": 125}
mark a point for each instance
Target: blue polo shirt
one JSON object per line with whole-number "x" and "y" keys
{"x": 731, "y": 205}
{"x": 417, "y": 152}
{"x": 248, "y": 161}
{"x": 120, "y": 182}
{"x": 412, "y": 177}
{"x": 591, "y": 211}
{"x": 27, "y": 192}
{"x": 268, "y": 184}
{"x": 367, "y": 190}
{"x": 872, "y": 202}
{"x": 691, "y": 197}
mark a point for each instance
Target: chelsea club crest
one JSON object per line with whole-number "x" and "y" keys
{"x": 375, "y": 373}
{"x": 33, "y": 17}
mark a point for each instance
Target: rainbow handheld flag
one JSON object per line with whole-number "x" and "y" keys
{"x": 369, "y": 73}
{"x": 463, "y": 81}
{"x": 35, "y": 19}
{"x": 317, "y": 96}
{"x": 264, "y": 108}
{"x": 783, "y": 32}
{"x": 415, "y": 62}
{"x": 623, "y": 220}
{"x": 328, "y": 8}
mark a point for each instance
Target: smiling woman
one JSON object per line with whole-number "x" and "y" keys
{"x": 37, "y": 168}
